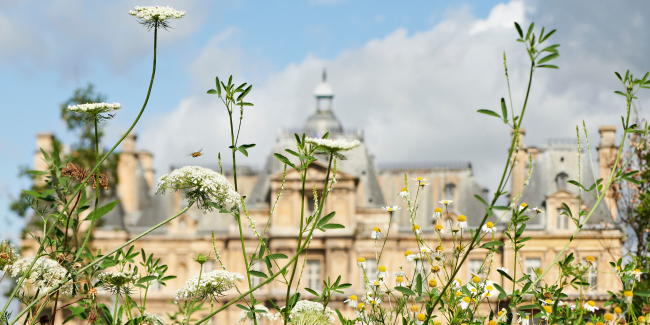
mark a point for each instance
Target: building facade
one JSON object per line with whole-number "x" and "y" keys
{"x": 363, "y": 187}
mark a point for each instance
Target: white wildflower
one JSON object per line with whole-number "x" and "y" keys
{"x": 591, "y": 306}
{"x": 118, "y": 282}
{"x": 352, "y": 301}
{"x": 155, "y": 13}
{"x": 637, "y": 274}
{"x": 382, "y": 274}
{"x": 490, "y": 289}
{"x": 376, "y": 233}
{"x": 332, "y": 146}
{"x": 201, "y": 184}
{"x": 524, "y": 320}
{"x": 309, "y": 312}
{"x": 391, "y": 209}
{"x": 45, "y": 274}
{"x": 361, "y": 262}
{"x": 213, "y": 283}
{"x": 437, "y": 214}
{"x": 464, "y": 303}
{"x": 243, "y": 315}
{"x": 403, "y": 192}
{"x": 462, "y": 221}
{"x": 446, "y": 202}
{"x": 94, "y": 108}
{"x": 153, "y": 319}
{"x": 489, "y": 227}
{"x": 8, "y": 254}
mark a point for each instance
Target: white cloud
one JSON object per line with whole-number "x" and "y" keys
{"x": 416, "y": 95}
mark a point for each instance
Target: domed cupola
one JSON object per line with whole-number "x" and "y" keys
{"x": 323, "y": 120}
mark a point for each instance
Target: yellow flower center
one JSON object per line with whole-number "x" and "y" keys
{"x": 476, "y": 279}
{"x": 523, "y": 205}
{"x": 637, "y": 271}
{"x": 361, "y": 259}
{"x": 420, "y": 178}
{"x": 489, "y": 288}
{"x": 609, "y": 317}
{"x": 489, "y": 224}
{"x": 618, "y": 310}
{"x": 407, "y": 253}
{"x": 548, "y": 301}
{"x": 438, "y": 210}
{"x": 435, "y": 269}
{"x": 376, "y": 229}
{"x": 433, "y": 283}
{"x": 445, "y": 202}
{"x": 440, "y": 249}
{"x": 382, "y": 269}
{"x": 421, "y": 317}
{"x": 438, "y": 227}
{"x": 591, "y": 303}
{"x": 415, "y": 308}
{"x": 353, "y": 297}
{"x": 416, "y": 227}
{"x": 437, "y": 323}
{"x": 628, "y": 293}
{"x": 458, "y": 293}
{"x": 466, "y": 299}
{"x": 641, "y": 319}
{"x": 404, "y": 189}
{"x": 462, "y": 218}
{"x": 399, "y": 279}
{"x": 601, "y": 323}
{"x": 590, "y": 259}
{"x": 492, "y": 322}
{"x": 548, "y": 309}
{"x": 360, "y": 306}
{"x": 376, "y": 283}
{"x": 500, "y": 313}
{"x": 459, "y": 282}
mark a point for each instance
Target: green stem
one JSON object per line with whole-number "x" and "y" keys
{"x": 117, "y": 299}
{"x": 302, "y": 218}
{"x": 98, "y": 260}
{"x": 188, "y": 312}
{"x": 92, "y": 222}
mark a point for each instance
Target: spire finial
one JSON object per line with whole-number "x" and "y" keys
{"x": 324, "y": 75}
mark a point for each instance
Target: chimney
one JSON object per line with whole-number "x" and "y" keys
{"x": 146, "y": 162}
{"x": 607, "y": 151}
{"x": 520, "y": 171}
{"x": 43, "y": 141}
{"x": 127, "y": 188}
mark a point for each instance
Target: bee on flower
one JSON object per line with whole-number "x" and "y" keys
{"x": 446, "y": 202}
{"x": 437, "y": 214}
{"x": 627, "y": 296}
{"x": 391, "y": 208}
{"x": 439, "y": 229}
{"x": 489, "y": 227}
{"x": 591, "y": 306}
{"x": 352, "y": 301}
{"x": 462, "y": 221}
{"x": 464, "y": 303}
{"x": 376, "y": 233}
{"x": 382, "y": 274}
{"x": 361, "y": 262}
{"x": 417, "y": 230}
{"x": 404, "y": 193}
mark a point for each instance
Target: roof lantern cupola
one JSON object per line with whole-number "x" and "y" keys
{"x": 323, "y": 120}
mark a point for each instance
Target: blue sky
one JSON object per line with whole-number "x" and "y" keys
{"x": 411, "y": 74}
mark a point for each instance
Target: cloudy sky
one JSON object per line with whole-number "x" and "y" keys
{"x": 412, "y": 76}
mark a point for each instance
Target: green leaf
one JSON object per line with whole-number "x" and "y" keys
{"x": 326, "y": 219}
{"x": 642, "y": 293}
{"x": 98, "y": 213}
{"x": 218, "y": 86}
{"x": 212, "y": 92}
{"x": 492, "y": 244}
{"x": 521, "y": 33}
{"x": 530, "y": 30}
{"x": 405, "y": 291}
{"x": 278, "y": 256}
{"x": 243, "y": 307}
{"x": 312, "y": 292}
{"x": 248, "y": 146}
{"x": 38, "y": 172}
{"x": 344, "y": 286}
{"x": 332, "y": 226}
{"x": 418, "y": 284}
{"x": 243, "y": 150}
{"x": 618, "y": 75}
{"x": 547, "y": 58}
{"x": 147, "y": 278}
{"x": 480, "y": 199}
{"x": 257, "y": 274}
{"x": 284, "y": 160}
{"x": 169, "y": 277}
{"x": 548, "y": 66}
{"x": 489, "y": 112}
{"x": 547, "y": 36}
{"x": 577, "y": 184}
{"x": 504, "y": 110}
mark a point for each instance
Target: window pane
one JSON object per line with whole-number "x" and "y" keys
{"x": 259, "y": 266}
{"x": 562, "y": 220}
{"x": 592, "y": 274}
{"x": 531, "y": 265}
{"x": 474, "y": 269}
{"x": 313, "y": 274}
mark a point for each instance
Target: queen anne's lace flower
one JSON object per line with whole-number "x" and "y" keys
{"x": 153, "y": 13}
{"x": 247, "y": 314}
{"x": 8, "y": 255}
{"x": 309, "y": 312}
{"x": 213, "y": 283}
{"x": 45, "y": 274}
{"x": 201, "y": 184}
{"x": 333, "y": 145}
{"x": 94, "y": 108}
{"x": 153, "y": 319}
{"x": 118, "y": 282}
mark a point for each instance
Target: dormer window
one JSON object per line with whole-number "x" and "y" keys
{"x": 560, "y": 180}
{"x": 450, "y": 190}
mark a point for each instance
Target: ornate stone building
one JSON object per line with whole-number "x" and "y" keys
{"x": 363, "y": 187}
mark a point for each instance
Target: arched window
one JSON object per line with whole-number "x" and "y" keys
{"x": 450, "y": 190}
{"x": 560, "y": 180}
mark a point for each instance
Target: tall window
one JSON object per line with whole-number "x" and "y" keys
{"x": 182, "y": 225}
{"x": 371, "y": 269}
{"x": 592, "y": 274}
{"x": 562, "y": 220}
{"x": 533, "y": 264}
{"x": 313, "y": 274}
{"x": 259, "y": 266}
{"x": 560, "y": 180}
{"x": 208, "y": 266}
{"x": 450, "y": 189}
{"x": 474, "y": 269}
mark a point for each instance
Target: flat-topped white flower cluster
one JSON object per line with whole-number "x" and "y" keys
{"x": 333, "y": 145}
{"x": 310, "y": 312}
{"x": 94, "y": 108}
{"x": 211, "y": 284}
{"x": 244, "y": 314}
{"x": 201, "y": 184}
{"x": 153, "y": 319}
{"x": 45, "y": 274}
{"x": 119, "y": 279}
{"x": 153, "y": 13}
{"x": 8, "y": 255}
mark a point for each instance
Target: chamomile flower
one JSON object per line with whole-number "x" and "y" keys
{"x": 446, "y": 202}
{"x": 462, "y": 221}
{"x": 391, "y": 208}
{"x": 590, "y": 260}
{"x": 490, "y": 289}
{"x": 546, "y": 302}
{"x": 420, "y": 318}
{"x": 403, "y": 193}
{"x": 627, "y": 296}
{"x": 609, "y": 318}
{"x": 418, "y": 264}
{"x": 425, "y": 250}
{"x": 433, "y": 283}
{"x": 637, "y": 274}
{"x": 399, "y": 281}
{"x": 382, "y": 274}
{"x": 437, "y": 214}
{"x": 376, "y": 233}
{"x": 361, "y": 262}
{"x": 420, "y": 179}
{"x": 523, "y": 206}
{"x": 537, "y": 210}
{"x": 439, "y": 229}
{"x": 375, "y": 284}
{"x": 438, "y": 256}
{"x": 524, "y": 320}
{"x": 410, "y": 257}
{"x": 502, "y": 314}
{"x": 416, "y": 229}
{"x": 591, "y": 306}
{"x": 464, "y": 303}
{"x": 489, "y": 227}
{"x": 407, "y": 254}
{"x": 352, "y": 301}
{"x": 457, "y": 283}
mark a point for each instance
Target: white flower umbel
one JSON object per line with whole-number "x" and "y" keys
{"x": 153, "y": 319}
{"x": 213, "y": 283}
{"x": 332, "y": 146}
{"x": 118, "y": 282}
{"x": 249, "y": 315}
{"x": 45, "y": 274}
{"x": 201, "y": 184}
{"x": 8, "y": 254}
{"x": 308, "y": 312}
{"x": 94, "y": 108}
{"x": 155, "y": 13}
